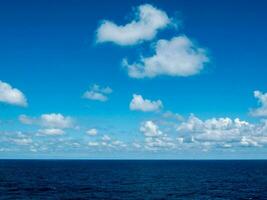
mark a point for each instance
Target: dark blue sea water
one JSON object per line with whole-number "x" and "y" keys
{"x": 49, "y": 179}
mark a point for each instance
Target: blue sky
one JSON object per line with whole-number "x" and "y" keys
{"x": 136, "y": 79}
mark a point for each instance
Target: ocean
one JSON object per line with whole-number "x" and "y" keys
{"x": 133, "y": 179}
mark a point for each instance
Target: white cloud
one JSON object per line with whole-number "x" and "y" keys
{"x": 118, "y": 143}
{"x": 25, "y": 119}
{"x": 223, "y": 132}
{"x": 107, "y": 142}
{"x": 137, "y": 145}
{"x": 246, "y": 141}
{"x": 92, "y": 132}
{"x": 180, "y": 140}
{"x": 192, "y": 133}
{"x": 106, "y": 138}
{"x": 97, "y": 93}
{"x": 51, "y": 131}
{"x": 214, "y": 129}
{"x": 145, "y": 105}
{"x": 22, "y": 141}
{"x": 56, "y": 120}
{"x": 11, "y": 95}
{"x": 149, "y": 20}
{"x": 176, "y": 57}
{"x": 152, "y": 143}
{"x": 226, "y": 145}
{"x": 150, "y": 129}
{"x": 262, "y": 99}
{"x": 93, "y": 144}
{"x": 171, "y": 115}
{"x": 154, "y": 138}
{"x": 52, "y": 120}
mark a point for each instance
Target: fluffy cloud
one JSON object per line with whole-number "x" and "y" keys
{"x": 155, "y": 139}
{"x": 16, "y": 141}
{"x": 145, "y": 105}
{"x": 97, "y": 93}
{"x": 144, "y": 27}
{"x": 176, "y": 57}
{"x": 52, "y": 120}
{"x": 150, "y": 129}
{"x": 51, "y": 131}
{"x": 191, "y": 133}
{"x": 262, "y": 110}
{"x": 92, "y": 132}
{"x": 152, "y": 143}
{"x": 214, "y": 129}
{"x": 247, "y": 141}
{"x": 56, "y": 120}
{"x": 223, "y": 132}
{"x": 256, "y": 141}
{"x": 11, "y": 95}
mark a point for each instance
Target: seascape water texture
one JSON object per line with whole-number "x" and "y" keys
{"x": 132, "y": 179}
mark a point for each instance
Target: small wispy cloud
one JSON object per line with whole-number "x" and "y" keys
{"x": 92, "y": 132}
{"x": 97, "y": 93}
{"x": 51, "y": 131}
